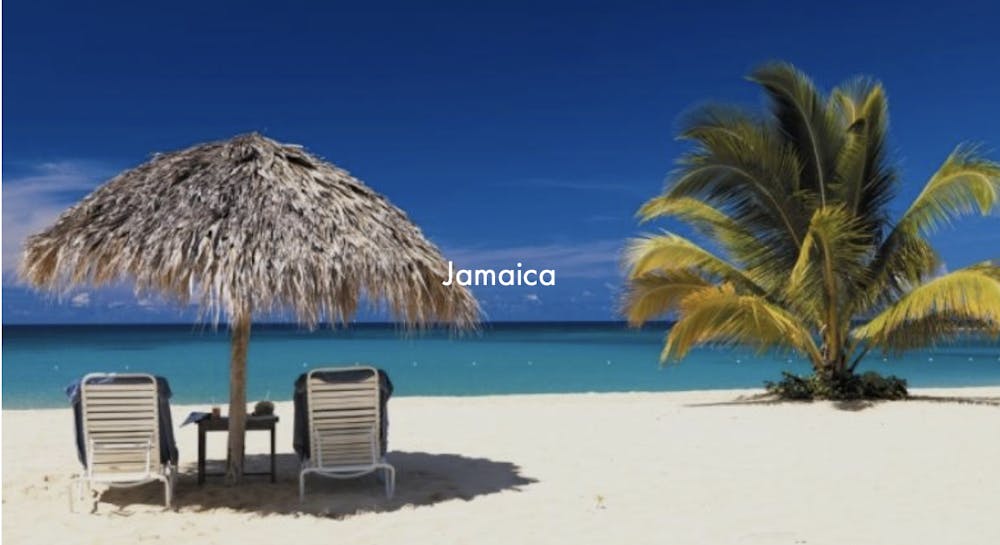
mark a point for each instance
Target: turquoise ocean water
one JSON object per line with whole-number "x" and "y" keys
{"x": 39, "y": 361}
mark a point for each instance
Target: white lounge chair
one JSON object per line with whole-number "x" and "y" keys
{"x": 344, "y": 427}
{"x": 121, "y": 434}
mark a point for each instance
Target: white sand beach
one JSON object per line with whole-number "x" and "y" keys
{"x": 690, "y": 467}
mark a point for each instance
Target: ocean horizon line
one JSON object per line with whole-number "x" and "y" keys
{"x": 336, "y": 326}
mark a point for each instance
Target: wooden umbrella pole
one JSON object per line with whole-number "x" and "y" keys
{"x": 238, "y": 397}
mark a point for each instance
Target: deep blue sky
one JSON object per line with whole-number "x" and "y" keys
{"x": 504, "y": 129}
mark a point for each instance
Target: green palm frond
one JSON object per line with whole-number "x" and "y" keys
{"x": 870, "y": 197}
{"x": 805, "y": 120}
{"x": 969, "y": 296}
{"x": 865, "y": 179}
{"x": 721, "y": 315}
{"x": 709, "y": 121}
{"x": 902, "y": 261}
{"x": 656, "y": 294}
{"x": 744, "y": 168}
{"x": 669, "y": 252}
{"x": 965, "y": 183}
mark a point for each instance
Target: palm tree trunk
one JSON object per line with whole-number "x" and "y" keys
{"x": 238, "y": 397}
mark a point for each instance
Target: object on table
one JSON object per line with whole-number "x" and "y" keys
{"x": 195, "y": 416}
{"x": 263, "y": 408}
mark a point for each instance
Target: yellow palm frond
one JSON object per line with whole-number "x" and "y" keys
{"x": 966, "y": 182}
{"x": 688, "y": 209}
{"x": 927, "y": 331}
{"x": 670, "y": 252}
{"x": 709, "y": 220}
{"x": 857, "y": 99}
{"x": 833, "y": 257}
{"x": 969, "y": 297}
{"x": 721, "y": 315}
{"x": 656, "y": 294}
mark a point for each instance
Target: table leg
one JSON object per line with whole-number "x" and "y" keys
{"x": 201, "y": 453}
{"x": 273, "y": 472}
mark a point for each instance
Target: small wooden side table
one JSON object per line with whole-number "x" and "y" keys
{"x": 254, "y": 423}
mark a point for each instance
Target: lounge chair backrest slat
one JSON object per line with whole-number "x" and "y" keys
{"x": 120, "y": 423}
{"x": 344, "y": 417}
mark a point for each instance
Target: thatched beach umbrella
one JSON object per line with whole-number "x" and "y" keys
{"x": 249, "y": 226}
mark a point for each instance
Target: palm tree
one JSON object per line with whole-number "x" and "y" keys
{"x": 794, "y": 204}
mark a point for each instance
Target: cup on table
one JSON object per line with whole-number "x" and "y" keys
{"x": 216, "y": 412}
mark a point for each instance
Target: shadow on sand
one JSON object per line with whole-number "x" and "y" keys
{"x": 851, "y": 405}
{"x": 421, "y": 479}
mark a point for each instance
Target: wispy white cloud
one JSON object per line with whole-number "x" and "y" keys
{"x": 31, "y": 202}
{"x": 80, "y": 300}
{"x": 594, "y": 259}
{"x": 607, "y": 218}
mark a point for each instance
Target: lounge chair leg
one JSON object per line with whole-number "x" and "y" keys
{"x": 171, "y": 484}
{"x": 390, "y": 481}
{"x": 78, "y": 490}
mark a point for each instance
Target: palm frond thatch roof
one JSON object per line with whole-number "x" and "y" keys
{"x": 250, "y": 225}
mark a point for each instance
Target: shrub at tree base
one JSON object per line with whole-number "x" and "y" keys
{"x": 842, "y": 386}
